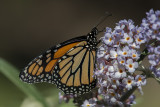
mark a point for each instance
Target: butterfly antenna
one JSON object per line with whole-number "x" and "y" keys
{"x": 103, "y": 18}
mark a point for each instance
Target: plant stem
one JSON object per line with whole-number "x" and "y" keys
{"x": 143, "y": 55}
{"x": 128, "y": 93}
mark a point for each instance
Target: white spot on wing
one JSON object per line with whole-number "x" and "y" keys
{"x": 40, "y": 56}
{"x": 48, "y": 51}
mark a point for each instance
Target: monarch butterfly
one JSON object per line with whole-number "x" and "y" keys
{"x": 69, "y": 65}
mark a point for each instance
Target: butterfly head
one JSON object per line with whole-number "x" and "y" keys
{"x": 94, "y": 31}
{"x": 91, "y": 38}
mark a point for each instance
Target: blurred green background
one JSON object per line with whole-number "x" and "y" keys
{"x": 28, "y": 27}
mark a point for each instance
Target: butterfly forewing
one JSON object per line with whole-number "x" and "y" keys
{"x": 41, "y": 68}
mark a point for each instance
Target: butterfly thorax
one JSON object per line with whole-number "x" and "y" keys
{"x": 91, "y": 39}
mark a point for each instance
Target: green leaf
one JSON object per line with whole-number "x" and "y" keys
{"x": 13, "y": 74}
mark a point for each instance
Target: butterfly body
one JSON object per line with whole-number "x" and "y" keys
{"x": 69, "y": 65}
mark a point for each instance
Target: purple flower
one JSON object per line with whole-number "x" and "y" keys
{"x": 108, "y": 30}
{"x": 150, "y": 49}
{"x": 145, "y": 23}
{"x": 108, "y": 39}
{"x": 113, "y": 54}
{"x": 101, "y": 52}
{"x": 134, "y": 54}
{"x": 120, "y": 73}
{"x": 121, "y": 60}
{"x": 157, "y": 50}
{"x": 127, "y": 38}
{"x": 129, "y": 82}
{"x": 134, "y": 46}
{"x": 157, "y": 73}
{"x": 139, "y": 39}
{"x": 87, "y": 103}
{"x": 153, "y": 59}
{"x": 131, "y": 65}
{"x": 124, "y": 52}
{"x": 130, "y": 100}
{"x": 140, "y": 80}
{"x": 152, "y": 18}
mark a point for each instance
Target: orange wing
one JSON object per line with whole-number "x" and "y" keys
{"x": 41, "y": 68}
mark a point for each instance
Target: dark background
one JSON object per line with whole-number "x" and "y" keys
{"x": 28, "y": 27}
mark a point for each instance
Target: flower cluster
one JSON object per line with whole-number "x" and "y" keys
{"x": 119, "y": 57}
{"x": 151, "y": 24}
{"x": 117, "y": 61}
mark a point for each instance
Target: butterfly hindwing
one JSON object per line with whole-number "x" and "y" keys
{"x": 74, "y": 71}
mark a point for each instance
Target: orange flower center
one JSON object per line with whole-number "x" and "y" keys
{"x": 127, "y": 38}
{"x": 116, "y": 56}
{"x": 110, "y": 39}
{"x": 112, "y": 94}
{"x": 88, "y": 105}
{"x": 155, "y": 31}
{"x": 139, "y": 40}
{"x": 130, "y": 65}
{"x": 122, "y": 62}
{"x": 139, "y": 79}
{"x": 120, "y": 70}
{"x": 117, "y": 43}
{"x": 114, "y": 81}
{"x": 124, "y": 53}
{"x": 129, "y": 81}
{"x": 134, "y": 55}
